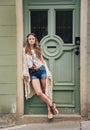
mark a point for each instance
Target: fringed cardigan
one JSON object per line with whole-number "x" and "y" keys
{"x": 29, "y": 91}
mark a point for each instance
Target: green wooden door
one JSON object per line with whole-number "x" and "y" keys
{"x": 57, "y": 28}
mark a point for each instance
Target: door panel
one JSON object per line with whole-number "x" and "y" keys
{"x": 56, "y": 32}
{"x": 65, "y": 74}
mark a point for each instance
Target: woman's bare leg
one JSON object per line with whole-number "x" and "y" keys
{"x": 43, "y": 84}
{"x": 37, "y": 88}
{"x": 55, "y": 111}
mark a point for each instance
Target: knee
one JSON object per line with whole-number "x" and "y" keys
{"x": 39, "y": 93}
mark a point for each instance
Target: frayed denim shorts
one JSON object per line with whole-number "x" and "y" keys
{"x": 39, "y": 74}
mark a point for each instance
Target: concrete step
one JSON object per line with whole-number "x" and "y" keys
{"x": 27, "y": 119}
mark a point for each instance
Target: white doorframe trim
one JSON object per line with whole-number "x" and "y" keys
{"x": 83, "y": 57}
{"x": 19, "y": 47}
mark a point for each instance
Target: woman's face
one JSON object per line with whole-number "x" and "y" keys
{"x": 31, "y": 40}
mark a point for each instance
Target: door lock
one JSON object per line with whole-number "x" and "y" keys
{"x": 77, "y": 50}
{"x": 77, "y": 42}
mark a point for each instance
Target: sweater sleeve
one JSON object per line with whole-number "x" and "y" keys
{"x": 47, "y": 70}
{"x": 49, "y": 82}
{"x": 25, "y": 67}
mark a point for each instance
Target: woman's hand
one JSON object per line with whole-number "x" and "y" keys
{"x": 26, "y": 78}
{"x": 34, "y": 67}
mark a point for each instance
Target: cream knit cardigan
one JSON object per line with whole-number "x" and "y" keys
{"x": 29, "y": 91}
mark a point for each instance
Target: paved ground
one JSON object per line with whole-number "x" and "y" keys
{"x": 64, "y": 125}
{"x": 85, "y": 125}
{"x": 8, "y": 122}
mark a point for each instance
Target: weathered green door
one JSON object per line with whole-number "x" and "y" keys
{"x": 57, "y": 28}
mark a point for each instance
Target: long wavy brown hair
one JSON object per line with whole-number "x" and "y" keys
{"x": 37, "y": 47}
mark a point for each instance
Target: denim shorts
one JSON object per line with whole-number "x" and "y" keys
{"x": 39, "y": 74}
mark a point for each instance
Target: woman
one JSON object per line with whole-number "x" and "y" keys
{"x": 37, "y": 75}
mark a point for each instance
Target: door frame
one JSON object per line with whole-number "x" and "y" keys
{"x": 83, "y": 57}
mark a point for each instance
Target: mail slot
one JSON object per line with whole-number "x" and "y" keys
{"x": 51, "y": 46}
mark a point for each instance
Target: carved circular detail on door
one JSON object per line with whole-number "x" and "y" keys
{"x": 52, "y": 46}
